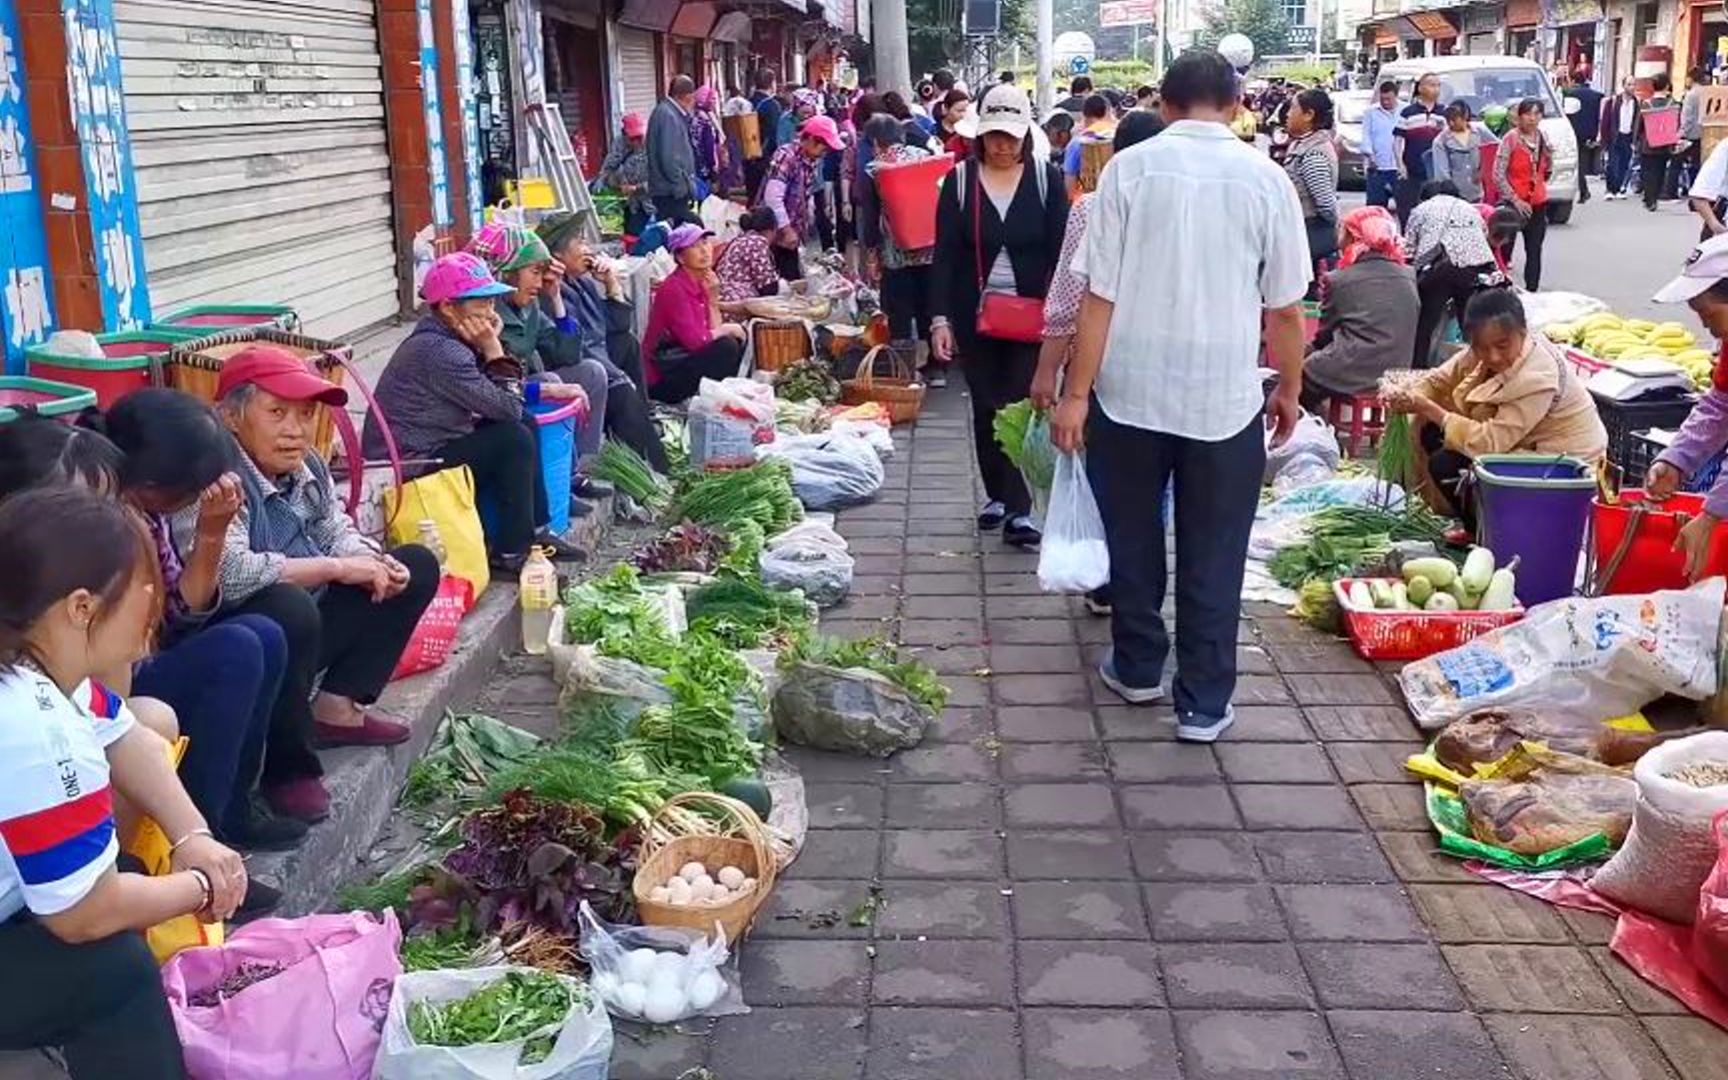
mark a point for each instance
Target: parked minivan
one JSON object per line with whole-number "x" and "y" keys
{"x": 1482, "y": 81}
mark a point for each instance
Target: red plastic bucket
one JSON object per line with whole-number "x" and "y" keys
{"x": 909, "y": 192}
{"x": 1651, "y": 563}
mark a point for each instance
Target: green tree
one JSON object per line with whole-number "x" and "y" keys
{"x": 1262, "y": 21}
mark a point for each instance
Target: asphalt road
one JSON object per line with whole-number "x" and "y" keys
{"x": 1615, "y": 251}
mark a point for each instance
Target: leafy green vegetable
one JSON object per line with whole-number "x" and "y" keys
{"x": 761, "y": 493}
{"x": 809, "y": 379}
{"x": 390, "y": 891}
{"x": 918, "y": 680}
{"x": 695, "y": 735}
{"x": 1344, "y": 539}
{"x": 1011, "y": 425}
{"x": 456, "y": 947}
{"x": 466, "y": 751}
{"x": 626, "y": 470}
{"x": 514, "y": 1007}
{"x": 746, "y": 614}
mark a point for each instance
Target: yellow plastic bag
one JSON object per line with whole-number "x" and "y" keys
{"x": 446, "y": 498}
{"x": 150, "y": 846}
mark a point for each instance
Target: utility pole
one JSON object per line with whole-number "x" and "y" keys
{"x": 1046, "y": 54}
{"x": 893, "y": 61}
{"x": 1163, "y": 40}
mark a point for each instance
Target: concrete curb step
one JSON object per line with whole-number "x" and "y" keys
{"x": 364, "y": 782}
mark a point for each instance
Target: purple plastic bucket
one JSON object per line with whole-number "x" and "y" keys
{"x": 1535, "y": 507}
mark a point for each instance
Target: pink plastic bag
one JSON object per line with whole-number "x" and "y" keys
{"x": 1710, "y": 929}
{"x": 321, "y": 1018}
{"x": 436, "y": 632}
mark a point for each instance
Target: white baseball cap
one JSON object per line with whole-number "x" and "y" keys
{"x": 1707, "y": 265}
{"x": 1003, "y": 108}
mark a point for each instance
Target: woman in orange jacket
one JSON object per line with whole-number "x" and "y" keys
{"x": 1521, "y": 172}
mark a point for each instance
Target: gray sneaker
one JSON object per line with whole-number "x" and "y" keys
{"x": 1192, "y": 727}
{"x": 1133, "y": 695}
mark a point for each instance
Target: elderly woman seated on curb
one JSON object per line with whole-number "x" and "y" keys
{"x": 292, "y": 555}
{"x": 453, "y": 396}
{"x": 586, "y": 288}
{"x": 687, "y": 340}
{"x": 546, "y": 341}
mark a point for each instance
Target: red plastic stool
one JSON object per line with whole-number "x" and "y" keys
{"x": 1360, "y": 431}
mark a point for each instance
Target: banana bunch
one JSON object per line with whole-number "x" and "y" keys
{"x": 1609, "y": 337}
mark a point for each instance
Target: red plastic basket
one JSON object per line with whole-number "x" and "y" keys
{"x": 909, "y": 190}
{"x": 1411, "y": 635}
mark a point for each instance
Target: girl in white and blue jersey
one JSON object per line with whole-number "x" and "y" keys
{"x": 78, "y": 595}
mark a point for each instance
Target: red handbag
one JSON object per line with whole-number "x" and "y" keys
{"x": 1002, "y": 315}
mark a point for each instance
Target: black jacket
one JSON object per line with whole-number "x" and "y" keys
{"x": 1033, "y": 235}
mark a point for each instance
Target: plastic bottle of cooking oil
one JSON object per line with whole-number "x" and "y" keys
{"x": 538, "y": 592}
{"x": 433, "y": 541}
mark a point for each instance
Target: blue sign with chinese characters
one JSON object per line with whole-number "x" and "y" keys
{"x": 463, "y": 38}
{"x": 438, "y": 166}
{"x": 99, "y": 115}
{"x": 26, "y": 306}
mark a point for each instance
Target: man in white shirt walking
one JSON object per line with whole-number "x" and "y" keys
{"x": 1196, "y": 240}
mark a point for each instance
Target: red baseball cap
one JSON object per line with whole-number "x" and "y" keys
{"x": 281, "y": 373}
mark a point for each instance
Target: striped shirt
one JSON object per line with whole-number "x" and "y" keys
{"x": 56, "y": 810}
{"x": 1419, "y": 125}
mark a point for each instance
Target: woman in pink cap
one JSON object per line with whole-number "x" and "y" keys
{"x": 625, "y": 170}
{"x": 453, "y": 394}
{"x": 687, "y": 339}
{"x": 789, "y": 186}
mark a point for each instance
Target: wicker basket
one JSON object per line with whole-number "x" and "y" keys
{"x": 780, "y": 343}
{"x": 747, "y": 129}
{"x": 196, "y": 367}
{"x": 1093, "y": 157}
{"x": 741, "y": 840}
{"x": 899, "y": 391}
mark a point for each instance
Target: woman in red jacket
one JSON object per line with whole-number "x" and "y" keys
{"x": 1521, "y": 171}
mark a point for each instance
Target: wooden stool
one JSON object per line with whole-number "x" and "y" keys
{"x": 1361, "y": 430}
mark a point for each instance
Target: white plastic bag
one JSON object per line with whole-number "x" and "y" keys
{"x": 874, "y": 435}
{"x": 1312, "y": 437}
{"x": 659, "y": 960}
{"x": 829, "y": 471}
{"x": 583, "y": 1050}
{"x": 811, "y": 557}
{"x": 1590, "y": 658}
{"x": 729, "y": 418}
{"x": 1073, "y": 556}
{"x": 1672, "y": 846}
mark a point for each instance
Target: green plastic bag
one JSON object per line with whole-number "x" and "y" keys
{"x": 1446, "y": 813}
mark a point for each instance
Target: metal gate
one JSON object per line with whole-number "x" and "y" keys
{"x": 262, "y": 160}
{"x": 638, "y": 74}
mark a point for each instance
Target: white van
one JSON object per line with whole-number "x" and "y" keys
{"x": 1481, "y": 81}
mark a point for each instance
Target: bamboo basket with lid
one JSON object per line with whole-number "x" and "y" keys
{"x": 778, "y": 343}
{"x": 740, "y": 839}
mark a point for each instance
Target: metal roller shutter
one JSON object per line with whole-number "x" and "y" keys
{"x": 638, "y": 75}
{"x": 262, "y": 161}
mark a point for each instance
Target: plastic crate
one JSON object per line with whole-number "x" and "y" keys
{"x": 1643, "y": 455}
{"x": 1582, "y": 362}
{"x": 1624, "y": 419}
{"x": 215, "y": 318}
{"x": 20, "y": 394}
{"x": 1378, "y": 634}
{"x": 131, "y": 360}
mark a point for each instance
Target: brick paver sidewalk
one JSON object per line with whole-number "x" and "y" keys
{"x": 1051, "y": 887}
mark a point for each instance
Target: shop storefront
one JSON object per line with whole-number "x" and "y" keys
{"x": 1708, "y": 37}
{"x": 639, "y": 75}
{"x": 1439, "y": 31}
{"x": 494, "y": 98}
{"x": 1523, "y": 18}
{"x": 1480, "y": 25}
{"x": 261, "y": 158}
{"x": 729, "y": 48}
{"x": 1578, "y": 31}
{"x": 576, "y": 75}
